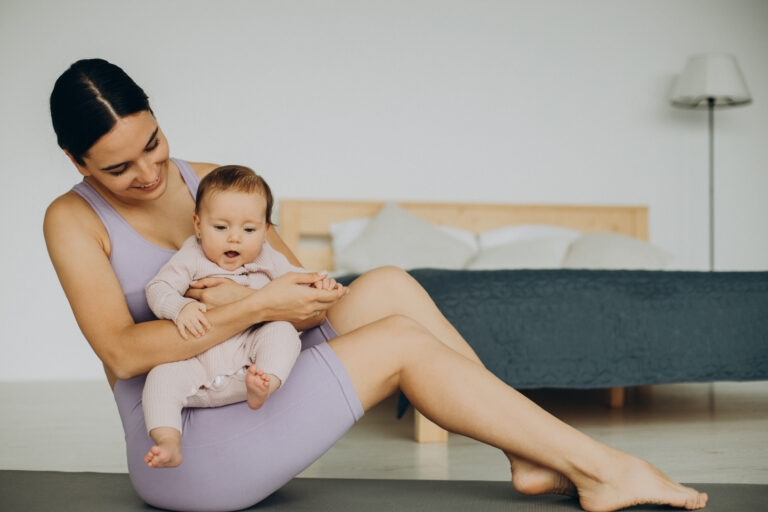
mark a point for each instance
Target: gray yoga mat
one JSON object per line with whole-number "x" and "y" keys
{"x": 49, "y": 491}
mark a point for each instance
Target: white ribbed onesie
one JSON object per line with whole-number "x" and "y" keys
{"x": 217, "y": 376}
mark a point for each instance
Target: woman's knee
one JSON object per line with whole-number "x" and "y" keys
{"x": 400, "y": 289}
{"x": 389, "y": 276}
{"x": 390, "y": 271}
{"x": 402, "y": 324}
{"x": 374, "y": 296}
{"x": 408, "y": 333}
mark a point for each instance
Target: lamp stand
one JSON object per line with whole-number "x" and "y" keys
{"x": 711, "y": 103}
{"x": 709, "y": 80}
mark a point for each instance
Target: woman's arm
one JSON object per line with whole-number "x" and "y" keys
{"x": 76, "y": 248}
{"x": 94, "y": 293}
{"x": 215, "y": 291}
{"x": 287, "y": 301}
{"x": 277, "y": 244}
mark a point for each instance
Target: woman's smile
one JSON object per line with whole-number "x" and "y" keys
{"x": 150, "y": 186}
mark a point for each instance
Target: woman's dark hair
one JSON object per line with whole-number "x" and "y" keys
{"x": 88, "y": 99}
{"x": 236, "y": 178}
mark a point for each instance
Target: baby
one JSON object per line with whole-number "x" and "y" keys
{"x": 232, "y": 216}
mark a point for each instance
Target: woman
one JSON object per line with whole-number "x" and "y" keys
{"x": 109, "y": 235}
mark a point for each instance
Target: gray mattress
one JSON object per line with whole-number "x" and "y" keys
{"x": 600, "y": 328}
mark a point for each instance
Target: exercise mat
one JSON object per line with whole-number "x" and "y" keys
{"x": 48, "y": 491}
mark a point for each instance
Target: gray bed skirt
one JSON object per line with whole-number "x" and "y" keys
{"x": 602, "y": 328}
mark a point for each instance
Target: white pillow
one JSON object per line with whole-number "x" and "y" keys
{"x": 463, "y": 235}
{"x": 612, "y": 251}
{"x": 397, "y": 237}
{"x": 507, "y": 234}
{"x": 344, "y": 232}
{"x": 535, "y": 253}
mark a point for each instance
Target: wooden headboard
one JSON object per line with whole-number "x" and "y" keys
{"x": 304, "y": 224}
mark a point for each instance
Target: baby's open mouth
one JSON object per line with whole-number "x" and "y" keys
{"x": 231, "y": 254}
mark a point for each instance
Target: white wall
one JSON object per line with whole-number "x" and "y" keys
{"x": 539, "y": 101}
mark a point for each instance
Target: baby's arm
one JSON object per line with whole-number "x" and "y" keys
{"x": 165, "y": 293}
{"x": 283, "y": 266}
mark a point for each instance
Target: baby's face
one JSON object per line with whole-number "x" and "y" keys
{"x": 232, "y": 227}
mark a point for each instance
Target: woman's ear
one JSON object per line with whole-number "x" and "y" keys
{"x": 81, "y": 169}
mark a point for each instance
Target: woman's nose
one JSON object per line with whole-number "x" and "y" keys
{"x": 147, "y": 171}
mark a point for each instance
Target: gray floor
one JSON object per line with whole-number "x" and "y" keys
{"x": 694, "y": 432}
{"x": 45, "y": 491}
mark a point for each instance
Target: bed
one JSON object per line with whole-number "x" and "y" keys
{"x": 614, "y": 328}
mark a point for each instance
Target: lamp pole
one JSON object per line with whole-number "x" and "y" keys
{"x": 711, "y": 103}
{"x": 709, "y": 80}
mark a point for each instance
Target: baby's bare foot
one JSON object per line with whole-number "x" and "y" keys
{"x": 532, "y": 479}
{"x": 164, "y": 455}
{"x": 257, "y": 384}
{"x": 633, "y": 481}
{"x": 167, "y": 452}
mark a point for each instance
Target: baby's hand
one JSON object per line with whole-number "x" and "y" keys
{"x": 327, "y": 284}
{"x": 192, "y": 318}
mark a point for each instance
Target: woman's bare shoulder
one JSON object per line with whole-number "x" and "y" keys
{"x": 202, "y": 168}
{"x": 71, "y": 212}
{"x": 69, "y": 208}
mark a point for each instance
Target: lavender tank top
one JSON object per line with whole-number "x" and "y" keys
{"x": 134, "y": 259}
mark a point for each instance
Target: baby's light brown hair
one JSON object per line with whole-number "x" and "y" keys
{"x": 234, "y": 178}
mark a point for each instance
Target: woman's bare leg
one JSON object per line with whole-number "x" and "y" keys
{"x": 463, "y": 397}
{"x": 390, "y": 291}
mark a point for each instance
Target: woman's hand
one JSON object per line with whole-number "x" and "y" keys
{"x": 289, "y": 298}
{"x": 327, "y": 284}
{"x": 216, "y": 291}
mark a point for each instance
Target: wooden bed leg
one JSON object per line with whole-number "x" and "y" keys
{"x": 424, "y": 431}
{"x": 616, "y": 398}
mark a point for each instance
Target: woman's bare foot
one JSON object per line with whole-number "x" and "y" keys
{"x": 167, "y": 452}
{"x": 259, "y": 385}
{"x": 532, "y": 479}
{"x": 631, "y": 481}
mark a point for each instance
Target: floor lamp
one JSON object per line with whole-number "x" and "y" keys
{"x": 710, "y": 81}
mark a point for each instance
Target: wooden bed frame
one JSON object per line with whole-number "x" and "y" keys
{"x": 304, "y": 226}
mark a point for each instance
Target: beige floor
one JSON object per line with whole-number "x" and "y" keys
{"x": 694, "y": 432}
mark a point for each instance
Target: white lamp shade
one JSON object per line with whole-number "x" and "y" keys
{"x": 711, "y": 75}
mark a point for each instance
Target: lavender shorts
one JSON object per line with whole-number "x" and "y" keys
{"x": 234, "y": 456}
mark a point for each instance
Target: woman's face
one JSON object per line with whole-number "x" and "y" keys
{"x": 131, "y": 160}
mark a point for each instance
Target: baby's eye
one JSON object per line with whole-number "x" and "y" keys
{"x": 250, "y": 230}
{"x": 219, "y": 228}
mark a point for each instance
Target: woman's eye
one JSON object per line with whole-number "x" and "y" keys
{"x": 153, "y": 146}
{"x": 121, "y": 171}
